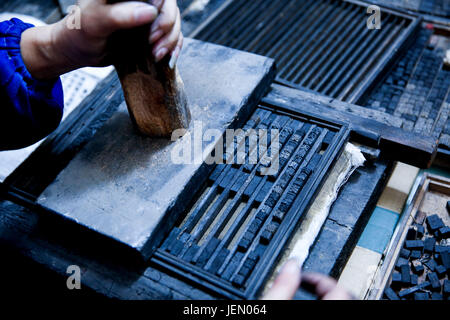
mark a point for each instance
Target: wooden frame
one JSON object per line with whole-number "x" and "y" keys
{"x": 424, "y": 183}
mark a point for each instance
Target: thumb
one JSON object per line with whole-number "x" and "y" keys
{"x": 287, "y": 282}
{"x": 127, "y": 15}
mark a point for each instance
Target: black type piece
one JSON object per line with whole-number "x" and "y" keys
{"x": 412, "y": 233}
{"x": 431, "y": 264}
{"x": 420, "y": 231}
{"x": 446, "y": 288}
{"x": 441, "y": 249}
{"x": 414, "y": 279}
{"x": 414, "y": 289}
{"x": 445, "y": 258}
{"x": 440, "y": 270}
{"x": 434, "y": 280}
{"x": 421, "y": 296}
{"x": 414, "y": 244}
{"x": 434, "y": 222}
{"x": 405, "y": 271}
{"x": 400, "y": 262}
{"x": 417, "y": 267}
{"x": 416, "y": 254}
{"x": 428, "y": 245}
{"x": 444, "y": 232}
{"x": 437, "y": 296}
{"x": 405, "y": 253}
{"x": 396, "y": 278}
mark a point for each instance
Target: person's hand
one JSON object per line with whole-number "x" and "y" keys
{"x": 52, "y": 50}
{"x": 290, "y": 277}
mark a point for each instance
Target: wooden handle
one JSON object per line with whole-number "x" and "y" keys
{"x": 154, "y": 93}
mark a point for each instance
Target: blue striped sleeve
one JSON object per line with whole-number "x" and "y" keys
{"x": 29, "y": 108}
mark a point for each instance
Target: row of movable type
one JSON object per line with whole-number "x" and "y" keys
{"x": 277, "y": 191}
{"x": 285, "y": 154}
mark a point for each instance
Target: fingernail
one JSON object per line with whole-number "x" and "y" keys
{"x": 160, "y": 54}
{"x": 145, "y": 13}
{"x": 155, "y": 36}
{"x": 174, "y": 58}
{"x": 155, "y": 26}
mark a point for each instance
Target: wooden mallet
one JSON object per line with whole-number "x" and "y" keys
{"x": 154, "y": 92}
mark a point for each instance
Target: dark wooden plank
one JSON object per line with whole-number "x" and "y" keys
{"x": 113, "y": 273}
{"x": 375, "y": 128}
{"x": 343, "y": 226}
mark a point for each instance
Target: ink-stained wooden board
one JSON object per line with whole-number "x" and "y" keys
{"x": 47, "y": 10}
{"x": 369, "y": 126}
{"x": 127, "y": 186}
{"x": 429, "y": 196}
{"x": 348, "y": 216}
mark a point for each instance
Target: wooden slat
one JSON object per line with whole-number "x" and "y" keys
{"x": 371, "y": 127}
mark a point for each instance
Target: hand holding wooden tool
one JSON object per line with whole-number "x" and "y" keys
{"x": 153, "y": 91}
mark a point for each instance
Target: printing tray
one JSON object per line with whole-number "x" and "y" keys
{"x": 230, "y": 237}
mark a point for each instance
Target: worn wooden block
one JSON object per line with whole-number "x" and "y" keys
{"x": 417, "y": 267}
{"x": 414, "y": 244}
{"x": 154, "y": 92}
{"x": 129, "y": 187}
